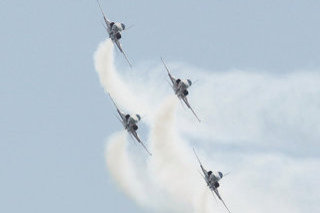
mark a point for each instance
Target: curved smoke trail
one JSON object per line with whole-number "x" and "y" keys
{"x": 112, "y": 83}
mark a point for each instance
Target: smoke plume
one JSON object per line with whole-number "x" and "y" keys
{"x": 262, "y": 127}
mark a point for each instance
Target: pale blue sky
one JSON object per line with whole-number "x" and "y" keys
{"x": 54, "y": 114}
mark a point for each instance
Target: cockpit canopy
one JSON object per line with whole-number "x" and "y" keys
{"x": 220, "y": 174}
{"x": 138, "y": 117}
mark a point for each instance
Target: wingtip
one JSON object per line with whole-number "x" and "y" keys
{"x": 164, "y": 63}
{"x": 194, "y": 151}
{"x": 147, "y": 151}
{"x": 100, "y": 6}
{"x": 127, "y": 59}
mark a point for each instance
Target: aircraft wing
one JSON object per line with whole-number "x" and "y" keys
{"x": 170, "y": 76}
{"x": 188, "y": 105}
{"x": 203, "y": 170}
{"x": 104, "y": 16}
{"x": 218, "y": 195}
{"x": 135, "y": 135}
{"x": 121, "y": 50}
{"x": 122, "y": 116}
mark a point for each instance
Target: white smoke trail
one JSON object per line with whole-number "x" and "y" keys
{"x": 262, "y": 127}
{"x": 166, "y": 168}
{"x": 112, "y": 83}
{"x": 173, "y": 165}
{"x": 122, "y": 168}
{"x": 123, "y": 171}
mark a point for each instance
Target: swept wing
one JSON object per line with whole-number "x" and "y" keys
{"x": 135, "y": 135}
{"x": 121, "y": 50}
{"x": 170, "y": 76}
{"x": 185, "y": 100}
{"x": 104, "y": 16}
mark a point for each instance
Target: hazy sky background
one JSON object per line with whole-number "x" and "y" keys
{"x": 54, "y": 114}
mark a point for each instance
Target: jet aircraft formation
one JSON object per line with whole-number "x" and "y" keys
{"x": 180, "y": 88}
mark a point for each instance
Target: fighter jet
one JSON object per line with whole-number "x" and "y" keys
{"x": 129, "y": 122}
{"x": 180, "y": 88}
{"x": 212, "y": 180}
{"x": 114, "y": 30}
